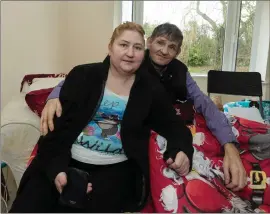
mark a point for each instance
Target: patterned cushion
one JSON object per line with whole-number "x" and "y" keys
{"x": 36, "y": 100}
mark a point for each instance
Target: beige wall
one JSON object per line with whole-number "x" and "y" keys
{"x": 29, "y": 43}
{"x": 88, "y": 28}
{"x": 50, "y": 37}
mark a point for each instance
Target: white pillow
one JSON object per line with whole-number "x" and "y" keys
{"x": 246, "y": 113}
{"x": 44, "y": 83}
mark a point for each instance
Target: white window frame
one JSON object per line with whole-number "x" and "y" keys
{"x": 137, "y": 13}
{"x": 260, "y": 49}
{"x": 231, "y": 36}
{"x": 117, "y": 13}
{"x": 261, "y": 40}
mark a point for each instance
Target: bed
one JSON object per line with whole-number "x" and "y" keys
{"x": 170, "y": 193}
{"x": 20, "y": 121}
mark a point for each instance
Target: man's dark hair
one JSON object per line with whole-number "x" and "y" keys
{"x": 171, "y": 31}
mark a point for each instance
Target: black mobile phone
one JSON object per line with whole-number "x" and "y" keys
{"x": 74, "y": 193}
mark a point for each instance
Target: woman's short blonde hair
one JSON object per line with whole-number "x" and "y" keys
{"x": 126, "y": 26}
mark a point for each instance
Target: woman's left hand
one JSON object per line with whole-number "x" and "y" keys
{"x": 180, "y": 164}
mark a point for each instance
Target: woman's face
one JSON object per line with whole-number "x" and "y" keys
{"x": 162, "y": 51}
{"x": 127, "y": 52}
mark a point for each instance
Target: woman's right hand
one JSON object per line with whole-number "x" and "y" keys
{"x": 52, "y": 106}
{"x": 61, "y": 181}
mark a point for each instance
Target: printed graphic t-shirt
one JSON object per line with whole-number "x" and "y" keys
{"x": 100, "y": 143}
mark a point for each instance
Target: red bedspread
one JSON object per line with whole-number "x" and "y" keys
{"x": 203, "y": 190}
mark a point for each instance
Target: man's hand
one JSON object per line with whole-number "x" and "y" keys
{"x": 61, "y": 181}
{"x": 234, "y": 172}
{"x": 52, "y": 106}
{"x": 180, "y": 165}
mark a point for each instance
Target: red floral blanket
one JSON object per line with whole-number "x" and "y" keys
{"x": 203, "y": 189}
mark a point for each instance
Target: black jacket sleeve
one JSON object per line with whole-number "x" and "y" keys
{"x": 164, "y": 121}
{"x": 54, "y": 148}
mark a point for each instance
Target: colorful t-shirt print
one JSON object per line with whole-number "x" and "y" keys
{"x": 102, "y": 134}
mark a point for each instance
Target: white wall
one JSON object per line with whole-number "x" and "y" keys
{"x": 50, "y": 37}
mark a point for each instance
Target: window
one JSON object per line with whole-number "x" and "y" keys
{"x": 201, "y": 31}
{"x": 217, "y": 34}
{"x": 126, "y": 11}
{"x": 245, "y": 35}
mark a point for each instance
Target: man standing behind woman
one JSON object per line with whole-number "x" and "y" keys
{"x": 163, "y": 46}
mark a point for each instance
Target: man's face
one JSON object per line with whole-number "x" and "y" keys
{"x": 162, "y": 50}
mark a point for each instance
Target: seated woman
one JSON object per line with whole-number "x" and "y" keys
{"x": 108, "y": 112}
{"x": 164, "y": 45}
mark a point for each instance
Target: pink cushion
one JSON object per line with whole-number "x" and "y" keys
{"x": 39, "y": 87}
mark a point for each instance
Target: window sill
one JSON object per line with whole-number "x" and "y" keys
{"x": 198, "y": 75}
